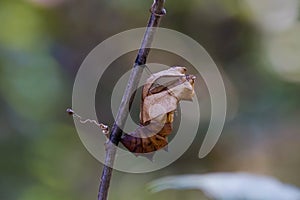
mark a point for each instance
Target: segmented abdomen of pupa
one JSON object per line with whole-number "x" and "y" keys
{"x": 149, "y": 138}
{"x": 159, "y": 101}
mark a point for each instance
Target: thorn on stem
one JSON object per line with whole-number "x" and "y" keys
{"x": 70, "y": 111}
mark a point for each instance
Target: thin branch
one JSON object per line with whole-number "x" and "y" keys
{"x": 157, "y": 11}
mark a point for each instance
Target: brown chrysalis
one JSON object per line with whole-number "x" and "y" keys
{"x": 160, "y": 97}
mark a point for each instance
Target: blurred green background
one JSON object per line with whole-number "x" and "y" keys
{"x": 255, "y": 43}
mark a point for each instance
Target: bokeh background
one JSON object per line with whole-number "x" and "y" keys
{"x": 255, "y": 43}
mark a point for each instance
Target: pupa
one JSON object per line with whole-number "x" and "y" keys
{"x": 160, "y": 97}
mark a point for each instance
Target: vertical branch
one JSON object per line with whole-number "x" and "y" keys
{"x": 157, "y": 11}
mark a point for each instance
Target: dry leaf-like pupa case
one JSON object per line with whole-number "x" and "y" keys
{"x": 160, "y": 97}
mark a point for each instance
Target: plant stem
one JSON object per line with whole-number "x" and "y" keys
{"x": 157, "y": 11}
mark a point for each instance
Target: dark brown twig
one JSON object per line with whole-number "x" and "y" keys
{"x": 157, "y": 11}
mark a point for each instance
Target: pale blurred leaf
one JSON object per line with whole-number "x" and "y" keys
{"x": 230, "y": 186}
